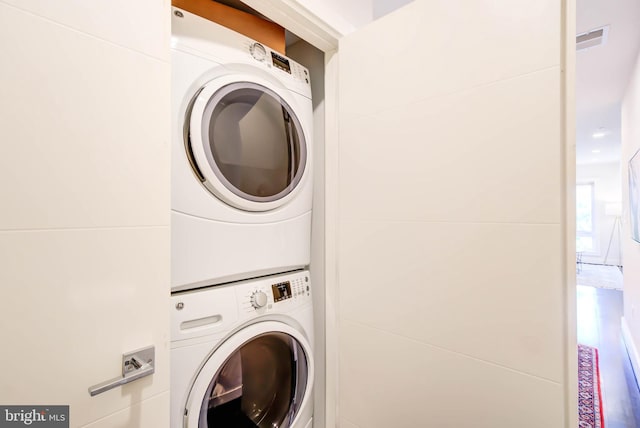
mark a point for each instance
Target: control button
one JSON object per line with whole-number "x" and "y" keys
{"x": 258, "y": 299}
{"x": 258, "y": 51}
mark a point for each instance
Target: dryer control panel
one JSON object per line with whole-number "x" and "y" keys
{"x": 273, "y": 59}
{"x": 203, "y": 38}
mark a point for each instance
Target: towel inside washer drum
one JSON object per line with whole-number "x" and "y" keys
{"x": 262, "y": 385}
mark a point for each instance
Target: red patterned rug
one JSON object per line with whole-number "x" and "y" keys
{"x": 590, "y": 414}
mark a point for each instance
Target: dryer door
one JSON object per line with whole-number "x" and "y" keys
{"x": 246, "y": 142}
{"x": 260, "y": 377}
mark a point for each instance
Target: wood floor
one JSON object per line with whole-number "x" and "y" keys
{"x": 599, "y": 313}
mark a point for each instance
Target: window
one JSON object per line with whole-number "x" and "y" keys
{"x": 585, "y": 237}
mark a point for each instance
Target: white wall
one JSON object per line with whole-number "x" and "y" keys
{"x": 452, "y": 261}
{"x": 606, "y": 184}
{"x": 84, "y": 225}
{"x": 631, "y": 249}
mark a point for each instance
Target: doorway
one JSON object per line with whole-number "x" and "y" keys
{"x": 607, "y": 45}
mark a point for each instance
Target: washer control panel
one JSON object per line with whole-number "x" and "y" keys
{"x": 218, "y": 308}
{"x": 277, "y": 293}
{"x": 259, "y": 299}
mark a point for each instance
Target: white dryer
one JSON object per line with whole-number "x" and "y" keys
{"x": 241, "y": 355}
{"x": 241, "y": 157}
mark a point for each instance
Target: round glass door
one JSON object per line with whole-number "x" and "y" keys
{"x": 248, "y": 144}
{"x": 261, "y": 384}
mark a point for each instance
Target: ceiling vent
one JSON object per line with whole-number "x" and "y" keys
{"x": 592, "y": 38}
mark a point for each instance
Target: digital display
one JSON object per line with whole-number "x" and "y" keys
{"x": 281, "y": 62}
{"x": 281, "y": 291}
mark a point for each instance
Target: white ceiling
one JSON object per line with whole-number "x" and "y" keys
{"x": 602, "y": 74}
{"x": 383, "y": 7}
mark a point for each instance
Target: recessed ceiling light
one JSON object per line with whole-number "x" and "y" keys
{"x": 601, "y": 132}
{"x": 595, "y": 151}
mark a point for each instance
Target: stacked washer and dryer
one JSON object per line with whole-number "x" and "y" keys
{"x": 242, "y": 318}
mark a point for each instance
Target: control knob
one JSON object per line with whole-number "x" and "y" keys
{"x": 258, "y": 299}
{"x": 258, "y": 51}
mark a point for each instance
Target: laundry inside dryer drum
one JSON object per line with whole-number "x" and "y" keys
{"x": 254, "y": 142}
{"x": 262, "y": 384}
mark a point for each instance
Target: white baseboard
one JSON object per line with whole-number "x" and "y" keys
{"x": 631, "y": 349}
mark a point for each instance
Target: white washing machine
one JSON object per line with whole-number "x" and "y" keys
{"x": 241, "y": 157}
{"x": 241, "y": 355}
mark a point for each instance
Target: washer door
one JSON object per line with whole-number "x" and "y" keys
{"x": 260, "y": 377}
{"x": 248, "y": 145}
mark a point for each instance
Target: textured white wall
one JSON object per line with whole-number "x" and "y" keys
{"x": 451, "y": 262}
{"x": 631, "y": 249}
{"x": 84, "y": 225}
